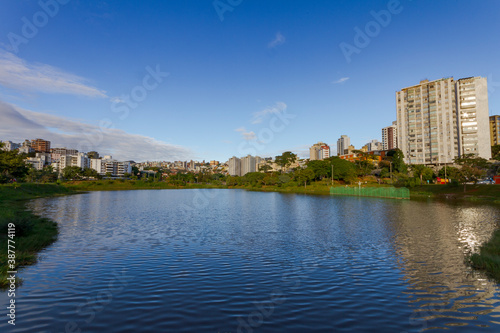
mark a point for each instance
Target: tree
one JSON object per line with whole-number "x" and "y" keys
{"x": 93, "y": 154}
{"x": 449, "y": 172}
{"x": 304, "y": 176}
{"x": 321, "y": 168}
{"x": 265, "y": 168}
{"x": 12, "y": 165}
{"x": 72, "y": 172}
{"x": 91, "y": 173}
{"x": 342, "y": 169}
{"x": 364, "y": 167}
{"x": 286, "y": 159}
{"x": 495, "y": 152}
{"x": 472, "y": 168}
{"x": 253, "y": 178}
{"x": 422, "y": 172}
{"x": 396, "y": 156}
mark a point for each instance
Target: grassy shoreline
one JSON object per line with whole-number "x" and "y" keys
{"x": 32, "y": 233}
{"x": 486, "y": 193}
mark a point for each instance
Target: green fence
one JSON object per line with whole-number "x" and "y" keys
{"x": 379, "y": 192}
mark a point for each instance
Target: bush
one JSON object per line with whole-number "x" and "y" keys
{"x": 23, "y": 225}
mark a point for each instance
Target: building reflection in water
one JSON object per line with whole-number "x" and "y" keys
{"x": 432, "y": 241}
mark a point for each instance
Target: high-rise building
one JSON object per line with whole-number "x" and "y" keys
{"x": 40, "y": 146}
{"x": 390, "y": 137}
{"x": 234, "y": 168}
{"x": 495, "y": 130}
{"x": 319, "y": 151}
{"x": 314, "y": 153}
{"x": 438, "y": 121}
{"x": 247, "y": 165}
{"x": 342, "y": 144}
{"x": 473, "y": 110}
{"x": 324, "y": 152}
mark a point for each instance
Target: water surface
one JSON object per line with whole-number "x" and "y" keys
{"x": 236, "y": 261}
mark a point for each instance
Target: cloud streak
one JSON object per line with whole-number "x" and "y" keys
{"x": 341, "y": 80}
{"x": 259, "y": 116}
{"x": 15, "y": 73}
{"x": 18, "y": 124}
{"x": 277, "y": 41}
{"x": 246, "y": 134}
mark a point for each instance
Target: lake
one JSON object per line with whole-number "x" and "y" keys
{"x": 216, "y": 260}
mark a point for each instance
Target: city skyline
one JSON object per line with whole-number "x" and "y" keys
{"x": 230, "y": 86}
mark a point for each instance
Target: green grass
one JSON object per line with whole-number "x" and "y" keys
{"x": 488, "y": 193}
{"x": 488, "y": 258}
{"x": 32, "y": 233}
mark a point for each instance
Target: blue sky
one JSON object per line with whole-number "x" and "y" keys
{"x": 232, "y": 76}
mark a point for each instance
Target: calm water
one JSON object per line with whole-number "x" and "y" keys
{"x": 237, "y": 261}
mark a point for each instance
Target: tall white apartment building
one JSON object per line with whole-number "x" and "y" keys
{"x": 247, "y": 165}
{"x": 438, "y": 121}
{"x": 342, "y": 144}
{"x": 473, "y": 112}
{"x": 390, "y": 137}
{"x": 234, "y": 166}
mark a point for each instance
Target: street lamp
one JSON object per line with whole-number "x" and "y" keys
{"x": 390, "y": 166}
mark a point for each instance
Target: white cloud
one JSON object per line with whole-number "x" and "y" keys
{"x": 341, "y": 80}
{"x": 18, "y": 124}
{"x": 18, "y": 74}
{"x": 278, "y": 40}
{"x": 259, "y": 116}
{"x": 246, "y": 134}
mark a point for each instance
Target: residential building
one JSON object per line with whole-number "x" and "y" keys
{"x": 108, "y": 165}
{"x": 234, "y": 166}
{"x": 324, "y": 152}
{"x": 35, "y": 162}
{"x": 342, "y": 144}
{"x": 319, "y": 151}
{"x": 56, "y": 153}
{"x": 80, "y": 160}
{"x": 9, "y": 145}
{"x": 25, "y": 150}
{"x": 374, "y": 145}
{"x": 390, "y": 136}
{"x": 40, "y": 146}
{"x": 440, "y": 120}
{"x": 495, "y": 130}
{"x": 473, "y": 110}
{"x": 247, "y": 165}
